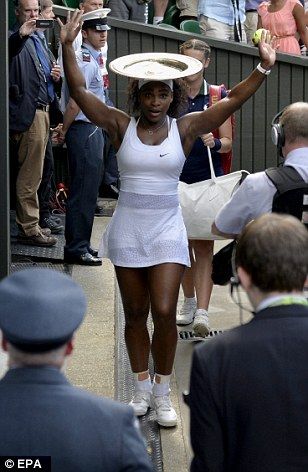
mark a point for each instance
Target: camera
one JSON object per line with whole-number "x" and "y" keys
{"x": 44, "y": 23}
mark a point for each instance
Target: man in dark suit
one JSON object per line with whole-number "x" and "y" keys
{"x": 249, "y": 386}
{"x": 41, "y": 413}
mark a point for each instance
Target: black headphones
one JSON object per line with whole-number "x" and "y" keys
{"x": 277, "y": 132}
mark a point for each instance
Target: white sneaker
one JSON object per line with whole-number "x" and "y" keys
{"x": 187, "y": 313}
{"x": 165, "y": 414}
{"x": 141, "y": 402}
{"x": 201, "y": 324}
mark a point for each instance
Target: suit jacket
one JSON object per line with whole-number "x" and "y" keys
{"x": 42, "y": 414}
{"x": 24, "y": 82}
{"x": 249, "y": 396}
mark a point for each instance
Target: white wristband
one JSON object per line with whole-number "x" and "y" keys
{"x": 263, "y": 71}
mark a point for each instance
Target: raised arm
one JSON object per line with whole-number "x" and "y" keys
{"x": 300, "y": 19}
{"x": 18, "y": 39}
{"x": 112, "y": 120}
{"x": 193, "y": 125}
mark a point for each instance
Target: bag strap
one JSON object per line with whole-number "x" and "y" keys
{"x": 285, "y": 178}
{"x": 213, "y": 175}
{"x": 215, "y": 96}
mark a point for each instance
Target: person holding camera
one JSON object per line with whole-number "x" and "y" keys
{"x": 31, "y": 93}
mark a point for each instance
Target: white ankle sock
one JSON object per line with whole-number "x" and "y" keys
{"x": 157, "y": 19}
{"x": 143, "y": 385}
{"x": 190, "y": 301}
{"x": 163, "y": 387}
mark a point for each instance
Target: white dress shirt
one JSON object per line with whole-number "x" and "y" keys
{"x": 255, "y": 195}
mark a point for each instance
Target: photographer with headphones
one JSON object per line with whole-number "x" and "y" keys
{"x": 249, "y": 386}
{"x": 256, "y": 194}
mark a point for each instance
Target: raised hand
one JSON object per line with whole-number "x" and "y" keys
{"x": 71, "y": 28}
{"x": 27, "y": 28}
{"x": 267, "y": 50}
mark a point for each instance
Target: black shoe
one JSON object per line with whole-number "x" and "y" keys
{"x": 93, "y": 252}
{"x": 109, "y": 191}
{"x": 50, "y": 223}
{"x": 83, "y": 259}
{"x": 99, "y": 211}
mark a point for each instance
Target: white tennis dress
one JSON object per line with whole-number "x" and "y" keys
{"x": 147, "y": 227}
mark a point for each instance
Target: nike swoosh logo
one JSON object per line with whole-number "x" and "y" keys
{"x": 163, "y": 155}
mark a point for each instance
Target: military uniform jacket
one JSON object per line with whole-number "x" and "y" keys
{"x": 42, "y": 414}
{"x": 249, "y": 396}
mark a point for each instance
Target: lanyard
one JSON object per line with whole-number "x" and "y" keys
{"x": 289, "y": 300}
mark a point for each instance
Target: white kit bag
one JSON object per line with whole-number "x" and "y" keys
{"x": 201, "y": 201}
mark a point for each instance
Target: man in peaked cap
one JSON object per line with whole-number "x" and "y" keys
{"x": 41, "y": 413}
{"x": 109, "y": 174}
{"x": 85, "y": 144}
{"x": 96, "y": 19}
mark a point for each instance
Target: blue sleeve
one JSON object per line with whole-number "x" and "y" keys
{"x": 16, "y": 44}
{"x": 224, "y": 92}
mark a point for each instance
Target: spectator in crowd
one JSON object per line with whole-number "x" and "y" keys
{"x": 188, "y": 10}
{"x": 302, "y": 46}
{"x": 134, "y": 10}
{"x": 224, "y": 20}
{"x": 251, "y": 21}
{"x": 46, "y": 9}
{"x": 285, "y": 21}
{"x": 41, "y": 413}
{"x": 249, "y": 386}
{"x": 197, "y": 282}
{"x": 47, "y": 219}
{"x": 85, "y": 143}
{"x": 146, "y": 238}
{"x": 255, "y": 195}
{"x": 32, "y": 77}
{"x": 160, "y": 7}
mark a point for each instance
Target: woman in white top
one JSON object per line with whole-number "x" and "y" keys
{"x": 146, "y": 238}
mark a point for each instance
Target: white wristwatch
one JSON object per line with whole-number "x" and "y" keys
{"x": 263, "y": 71}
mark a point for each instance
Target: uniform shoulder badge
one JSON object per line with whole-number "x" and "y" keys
{"x": 86, "y": 56}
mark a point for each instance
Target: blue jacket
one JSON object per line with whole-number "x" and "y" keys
{"x": 42, "y": 414}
